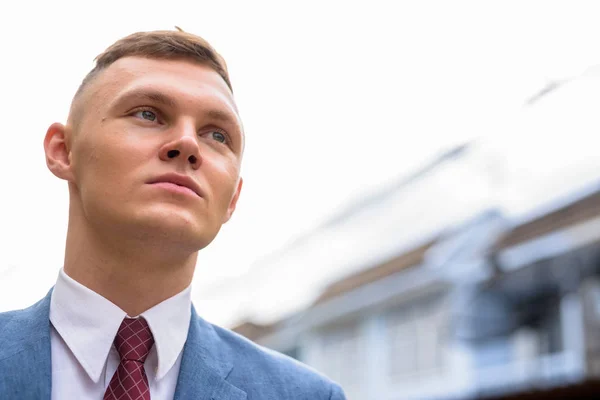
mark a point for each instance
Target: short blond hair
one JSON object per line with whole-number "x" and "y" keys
{"x": 168, "y": 45}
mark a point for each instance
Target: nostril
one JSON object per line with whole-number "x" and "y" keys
{"x": 172, "y": 153}
{"x": 192, "y": 159}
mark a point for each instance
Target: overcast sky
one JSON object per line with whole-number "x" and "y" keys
{"x": 338, "y": 98}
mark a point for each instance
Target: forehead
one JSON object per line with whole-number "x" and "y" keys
{"x": 185, "y": 80}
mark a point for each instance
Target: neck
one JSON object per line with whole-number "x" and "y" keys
{"x": 131, "y": 273}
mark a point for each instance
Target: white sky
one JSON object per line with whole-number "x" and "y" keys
{"x": 338, "y": 98}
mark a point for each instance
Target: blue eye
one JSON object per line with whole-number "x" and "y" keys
{"x": 147, "y": 115}
{"x": 219, "y": 137}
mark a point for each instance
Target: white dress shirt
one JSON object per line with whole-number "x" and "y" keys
{"x": 84, "y": 325}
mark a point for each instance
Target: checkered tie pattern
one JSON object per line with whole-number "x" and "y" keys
{"x": 133, "y": 342}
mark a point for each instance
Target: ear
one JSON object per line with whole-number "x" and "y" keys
{"x": 234, "y": 200}
{"x": 57, "y": 152}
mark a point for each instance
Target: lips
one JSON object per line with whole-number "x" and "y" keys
{"x": 178, "y": 180}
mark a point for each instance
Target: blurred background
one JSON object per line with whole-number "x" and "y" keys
{"x": 421, "y": 211}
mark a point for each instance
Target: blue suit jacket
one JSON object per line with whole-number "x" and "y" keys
{"x": 217, "y": 364}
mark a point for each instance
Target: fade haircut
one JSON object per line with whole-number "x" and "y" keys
{"x": 166, "y": 45}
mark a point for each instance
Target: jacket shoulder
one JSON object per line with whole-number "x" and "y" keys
{"x": 285, "y": 376}
{"x": 20, "y": 327}
{"x": 25, "y": 354}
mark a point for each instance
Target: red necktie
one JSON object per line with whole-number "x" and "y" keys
{"x": 133, "y": 342}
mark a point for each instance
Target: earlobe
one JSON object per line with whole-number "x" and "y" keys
{"x": 57, "y": 152}
{"x": 234, "y": 201}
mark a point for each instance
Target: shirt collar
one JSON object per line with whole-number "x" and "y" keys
{"x": 88, "y": 324}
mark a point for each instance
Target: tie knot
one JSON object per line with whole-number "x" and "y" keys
{"x": 134, "y": 339}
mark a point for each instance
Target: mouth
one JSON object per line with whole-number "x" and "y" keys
{"x": 177, "y": 183}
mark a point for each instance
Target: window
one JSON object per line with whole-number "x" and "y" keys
{"x": 414, "y": 339}
{"x": 543, "y": 317}
{"x": 342, "y": 356}
{"x": 549, "y": 330}
{"x": 538, "y": 334}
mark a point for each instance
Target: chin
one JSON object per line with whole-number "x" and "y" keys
{"x": 177, "y": 230}
{"x": 161, "y": 225}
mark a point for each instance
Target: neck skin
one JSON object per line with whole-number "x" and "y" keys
{"x": 134, "y": 274}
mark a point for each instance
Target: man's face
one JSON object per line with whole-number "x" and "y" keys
{"x": 145, "y": 126}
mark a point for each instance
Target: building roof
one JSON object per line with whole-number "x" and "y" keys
{"x": 406, "y": 260}
{"x": 581, "y": 210}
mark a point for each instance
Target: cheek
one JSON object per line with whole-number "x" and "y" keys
{"x": 224, "y": 179}
{"x": 106, "y": 164}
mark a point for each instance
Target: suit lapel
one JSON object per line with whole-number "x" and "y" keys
{"x": 204, "y": 366}
{"x": 25, "y": 353}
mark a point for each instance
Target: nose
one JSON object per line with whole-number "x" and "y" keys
{"x": 183, "y": 149}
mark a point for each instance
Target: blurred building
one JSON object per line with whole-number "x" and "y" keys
{"x": 476, "y": 277}
{"x": 491, "y": 307}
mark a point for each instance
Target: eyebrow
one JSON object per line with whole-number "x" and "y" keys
{"x": 220, "y": 116}
{"x": 146, "y": 95}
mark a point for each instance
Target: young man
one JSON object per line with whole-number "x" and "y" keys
{"x": 151, "y": 153}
